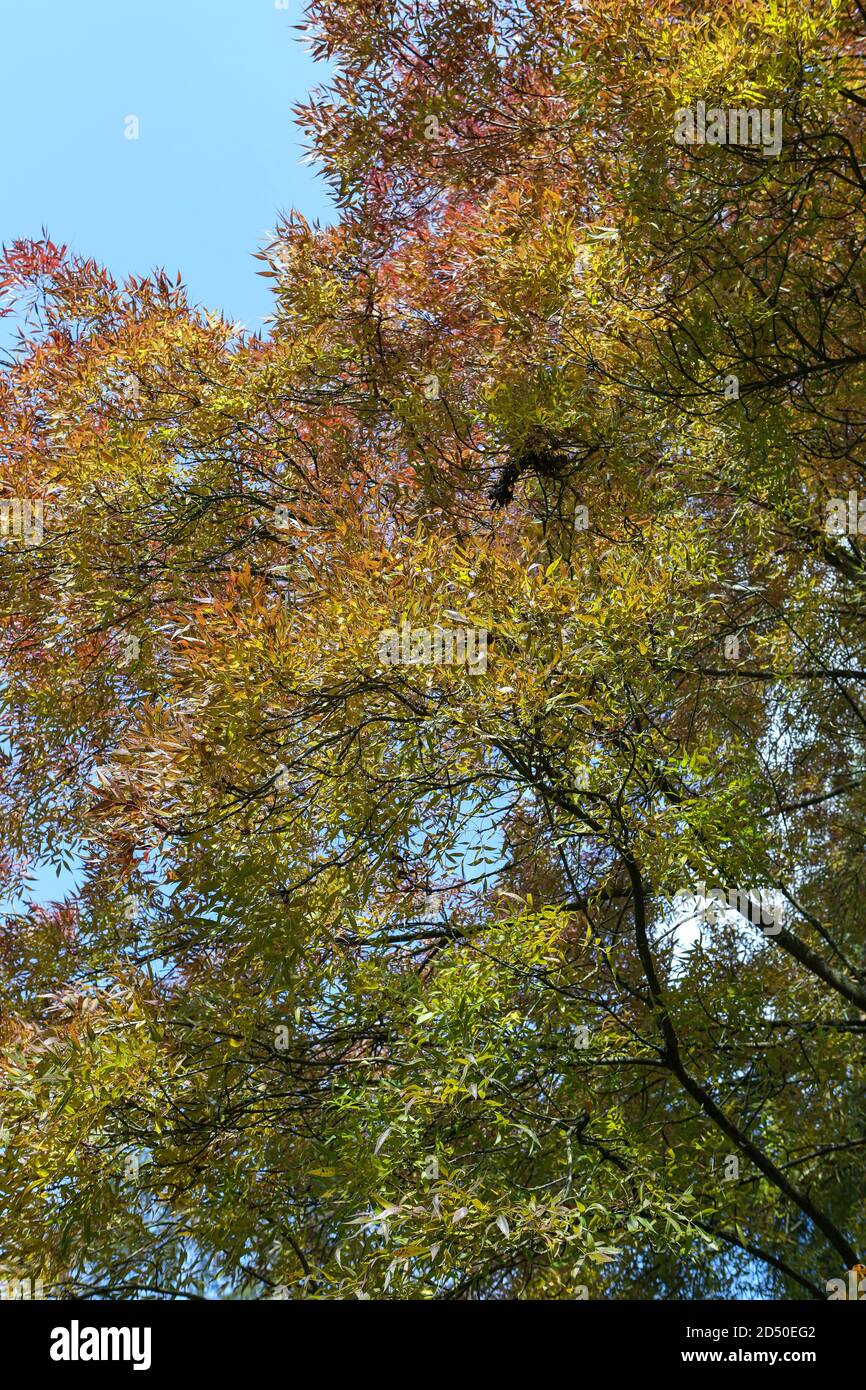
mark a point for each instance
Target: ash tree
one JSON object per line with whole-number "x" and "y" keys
{"x": 539, "y": 977}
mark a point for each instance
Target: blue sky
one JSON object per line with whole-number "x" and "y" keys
{"x": 212, "y": 84}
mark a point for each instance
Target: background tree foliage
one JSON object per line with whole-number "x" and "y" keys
{"x": 377, "y": 982}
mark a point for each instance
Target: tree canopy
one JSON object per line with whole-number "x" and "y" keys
{"x": 413, "y": 979}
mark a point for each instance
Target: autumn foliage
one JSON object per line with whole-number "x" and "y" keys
{"x": 391, "y": 980}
